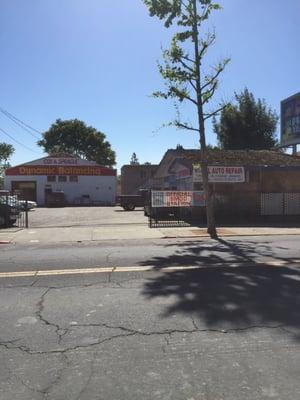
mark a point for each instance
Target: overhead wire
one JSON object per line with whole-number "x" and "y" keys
{"x": 15, "y": 140}
{"x": 21, "y": 123}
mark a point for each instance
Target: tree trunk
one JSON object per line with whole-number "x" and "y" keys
{"x": 210, "y": 214}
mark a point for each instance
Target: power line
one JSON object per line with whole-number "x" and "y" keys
{"x": 15, "y": 140}
{"x": 20, "y": 123}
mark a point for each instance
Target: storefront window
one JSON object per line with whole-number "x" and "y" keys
{"x": 73, "y": 178}
{"x": 62, "y": 178}
{"x": 51, "y": 178}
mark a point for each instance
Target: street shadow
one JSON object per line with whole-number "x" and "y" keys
{"x": 225, "y": 295}
{"x": 207, "y": 253}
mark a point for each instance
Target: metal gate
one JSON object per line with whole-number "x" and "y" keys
{"x": 280, "y": 204}
{"x": 13, "y": 211}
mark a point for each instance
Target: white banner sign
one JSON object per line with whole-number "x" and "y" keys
{"x": 177, "y": 198}
{"x": 219, "y": 174}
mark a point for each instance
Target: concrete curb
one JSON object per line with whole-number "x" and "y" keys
{"x": 232, "y": 235}
{"x": 103, "y": 234}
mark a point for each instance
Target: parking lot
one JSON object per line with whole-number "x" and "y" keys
{"x": 84, "y": 216}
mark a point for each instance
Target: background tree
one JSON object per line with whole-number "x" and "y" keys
{"x": 183, "y": 72}
{"x": 6, "y": 151}
{"x": 248, "y": 124}
{"x": 76, "y": 138}
{"x": 134, "y": 160}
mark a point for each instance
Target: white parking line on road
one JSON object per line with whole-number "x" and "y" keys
{"x": 97, "y": 270}
{"x": 34, "y": 241}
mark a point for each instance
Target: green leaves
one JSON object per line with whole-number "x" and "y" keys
{"x": 247, "y": 124}
{"x": 164, "y": 9}
{"x": 76, "y": 138}
{"x": 6, "y": 151}
{"x": 180, "y": 10}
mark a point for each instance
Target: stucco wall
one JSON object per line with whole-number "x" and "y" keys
{"x": 101, "y": 189}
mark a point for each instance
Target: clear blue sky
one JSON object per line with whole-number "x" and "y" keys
{"x": 96, "y": 60}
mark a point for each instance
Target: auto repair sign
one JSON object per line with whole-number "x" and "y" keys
{"x": 220, "y": 174}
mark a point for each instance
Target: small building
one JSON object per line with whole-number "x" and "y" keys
{"x": 135, "y": 177}
{"x": 246, "y": 183}
{"x": 79, "y": 181}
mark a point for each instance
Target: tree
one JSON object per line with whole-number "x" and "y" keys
{"x": 134, "y": 160}
{"x": 6, "y": 151}
{"x": 76, "y": 138}
{"x": 249, "y": 124}
{"x": 184, "y": 75}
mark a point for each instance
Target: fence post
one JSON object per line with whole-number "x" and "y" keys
{"x": 6, "y": 213}
{"x": 150, "y": 209}
{"x": 26, "y": 214}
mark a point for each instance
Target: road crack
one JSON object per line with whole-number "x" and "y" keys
{"x": 110, "y": 274}
{"x": 128, "y": 332}
{"x": 60, "y": 332}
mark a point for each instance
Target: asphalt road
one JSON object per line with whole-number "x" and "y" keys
{"x": 158, "y": 253}
{"x": 227, "y": 329}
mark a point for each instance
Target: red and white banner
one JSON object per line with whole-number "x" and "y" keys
{"x": 177, "y": 198}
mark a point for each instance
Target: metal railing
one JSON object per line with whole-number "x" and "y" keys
{"x": 13, "y": 211}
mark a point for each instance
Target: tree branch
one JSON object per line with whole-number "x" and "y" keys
{"x": 207, "y": 116}
{"x": 185, "y": 57}
{"x": 181, "y": 125}
{"x": 220, "y": 69}
{"x": 192, "y": 84}
{"x": 212, "y": 79}
{"x": 186, "y": 66}
{"x": 206, "y": 96}
{"x": 181, "y": 95}
{"x": 205, "y": 44}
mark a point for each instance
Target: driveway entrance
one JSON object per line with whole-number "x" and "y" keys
{"x": 84, "y": 216}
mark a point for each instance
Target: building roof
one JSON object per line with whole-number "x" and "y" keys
{"x": 240, "y": 157}
{"x": 139, "y": 166}
{"x": 41, "y": 166}
{"x": 250, "y": 158}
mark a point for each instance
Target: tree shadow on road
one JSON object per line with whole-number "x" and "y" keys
{"x": 202, "y": 253}
{"x": 228, "y": 296}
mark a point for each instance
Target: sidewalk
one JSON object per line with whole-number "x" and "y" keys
{"x": 125, "y": 232}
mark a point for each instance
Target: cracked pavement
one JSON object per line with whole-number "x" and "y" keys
{"x": 214, "y": 333}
